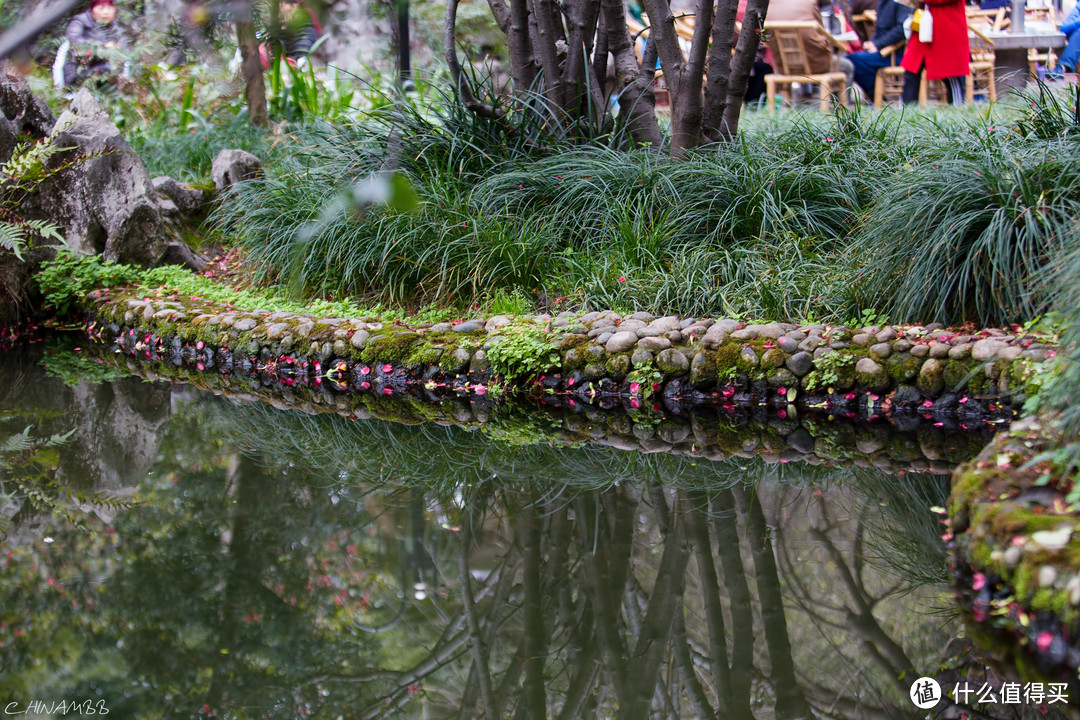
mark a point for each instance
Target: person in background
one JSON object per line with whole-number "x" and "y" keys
{"x": 1071, "y": 54}
{"x": 888, "y": 31}
{"x": 88, "y": 34}
{"x": 947, "y": 57}
{"x": 819, "y": 49}
{"x": 296, "y": 34}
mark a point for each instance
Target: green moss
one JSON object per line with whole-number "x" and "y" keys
{"x": 389, "y": 346}
{"x": 902, "y": 367}
{"x": 725, "y": 362}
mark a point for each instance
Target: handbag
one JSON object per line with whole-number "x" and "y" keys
{"x": 926, "y": 27}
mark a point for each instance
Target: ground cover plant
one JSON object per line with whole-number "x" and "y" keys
{"x": 939, "y": 216}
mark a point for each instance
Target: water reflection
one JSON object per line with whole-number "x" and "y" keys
{"x": 283, "y": 566}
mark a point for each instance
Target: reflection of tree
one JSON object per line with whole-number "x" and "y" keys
{"x": 602, "y": 613}
{"x": 645, "y": 586}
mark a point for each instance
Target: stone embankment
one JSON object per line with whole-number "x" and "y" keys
{"x": 913, "y": 445}
{"x": 1013, "y": 528}
{"x": 945, "y": 375}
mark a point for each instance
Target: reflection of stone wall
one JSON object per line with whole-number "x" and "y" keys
{"x": 911, "y": 445}
{"x": 116, "y": 428}
{"x": 639, "y": 359}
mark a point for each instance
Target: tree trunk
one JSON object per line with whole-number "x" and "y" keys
{"x": 251, "y": 67}
{"x": 741, "y": 65}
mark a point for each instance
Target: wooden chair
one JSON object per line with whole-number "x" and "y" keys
{"x": 981, "y": 80}
{"x": 866, "y": 22}
{"x": 988, "y": 20}
{"x": 792, "y": 64}
{"x": 889, "y": 83}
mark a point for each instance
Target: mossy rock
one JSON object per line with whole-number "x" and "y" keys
{"x": 870, "y": 375}
{"x": 672, "y": 363}
{"x": 618, "y": 366}
{"x": 902, "y": 367}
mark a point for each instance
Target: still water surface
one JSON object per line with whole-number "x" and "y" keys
{"x": 228, "y": 560}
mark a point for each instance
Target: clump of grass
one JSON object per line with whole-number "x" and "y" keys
{"x": 970, "y": 237}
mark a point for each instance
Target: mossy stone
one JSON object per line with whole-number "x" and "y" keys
{"x": 781, "y": 377}
{"x": 641, "y": 358}
{"x": 618, "y": 365}
{"x": 672, "y": 363}
{"x": 931, "y": 377}
{"x": 774, "y": 357}
{"x": 902, "y": 367}
{"x": 593, "y": 371}
{"x": 700, "y": 377}
{"x": 870, "y": 375}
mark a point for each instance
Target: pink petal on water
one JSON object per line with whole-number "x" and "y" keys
{"x": 1043, "y": 641}
{"x": 978, "y": 581}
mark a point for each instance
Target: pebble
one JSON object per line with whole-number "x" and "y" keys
{"x": 881, "y": 350}
{"x": 621, "y": 341}
{"x": 1047, "y": 576}
{"x": 1012, "y": 556}
{"x": 469, "y": 326}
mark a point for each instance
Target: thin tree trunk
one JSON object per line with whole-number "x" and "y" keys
{"x": 535, "y": 631}
{"x": 519, "y": 42}
{"x": 710, "y": 590}
{"x": 719, "y": 72}
{"x": 632, "y": 83}
{"x": 251, "y": 67}
{"x": 790, "y": 701}
{"x": 741, "y": 65}
{"x": 742, "y": 615}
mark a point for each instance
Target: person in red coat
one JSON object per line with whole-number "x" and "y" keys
{"x": 947, "y": 57}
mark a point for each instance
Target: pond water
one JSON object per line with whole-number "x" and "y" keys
{"x": 178, "y": 554}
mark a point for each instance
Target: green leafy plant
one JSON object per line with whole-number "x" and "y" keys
{"x": 647, "y": 377}
{"x": 827, "y": 369}
{"x": 28, "y": 480}
{"x": 69, "y": 277}
{"x": 19, "y": 176}
{"x": 868, "y": 318}
{"x": 522, "y": 351}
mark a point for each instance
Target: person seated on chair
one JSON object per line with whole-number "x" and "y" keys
{"x": 819, "y": 49}
{"x": 888, "y": 31}
{"x": 1071, "y": 54}
{"x": 87, "y": 35}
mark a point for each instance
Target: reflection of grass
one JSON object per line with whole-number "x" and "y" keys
{"x": 903, "y": 534}
{"x": 72, "y": 367}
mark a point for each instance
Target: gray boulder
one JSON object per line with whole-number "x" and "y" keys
{"x": 104, "y": 203}
{"x": 232, "y": 166}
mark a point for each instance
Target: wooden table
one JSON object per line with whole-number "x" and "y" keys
{"x": 1011, "y": 55}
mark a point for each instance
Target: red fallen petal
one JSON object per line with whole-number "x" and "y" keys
{"x": 978, "y": 581}
{"x": 781, "y": 391}
{"x": 365, "y": 370}
{"x": 571, "y": 402}
{"x": 200, "y": 366}
{"x": 1043, "y": 641}
{"x": 388, "y": 391}
{"x": 634, "y": 403}
{"x": 199, "y": 345}
{"x": 480, "y": 389}
{"x": 634, "y": 387}
{"x": 387, "y": 368}
{"x": 782, "y": 414}
{"x": 365, "y": 385}
{"x": 849, "y": 396}
{"x": 927, "y": 403}
{"x": 963, "y": 400}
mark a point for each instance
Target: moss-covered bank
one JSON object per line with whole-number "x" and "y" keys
{"x": 874, "y": 371}
{"x": 1014, "y": 530}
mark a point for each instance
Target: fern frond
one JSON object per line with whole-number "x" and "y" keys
{"x": 12, "y": 237}
{"x": 18, "y": 443}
